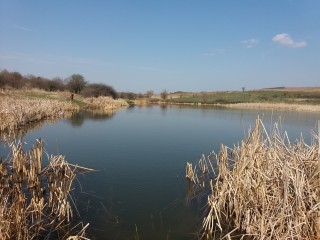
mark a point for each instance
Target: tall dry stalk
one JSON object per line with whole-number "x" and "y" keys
{"x": 266, "y": 188}
{"x": 18, "y": 112}
{"x": 197, "y": 178}
{"x": 34, "y": 200}
{"x": 105, "y": 103}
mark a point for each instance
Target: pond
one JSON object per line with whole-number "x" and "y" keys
{"x": 139, "y": 189}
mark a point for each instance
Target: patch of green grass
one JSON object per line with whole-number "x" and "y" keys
{"x": 250, "y": 97}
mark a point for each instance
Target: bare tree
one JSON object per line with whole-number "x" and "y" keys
{"x": 164, "y": 94}
{"x": 56, "y": 84}
{"x": 76, "y": 83}
{"x": 149, "y": 94}
{"x": 11, "y": 79}
{"x": 243, "y": 89}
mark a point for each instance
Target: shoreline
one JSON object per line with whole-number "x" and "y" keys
{"x": 274, "y": 106}
{"x": 19, "y": 109}
{"x": 257, "y": 105}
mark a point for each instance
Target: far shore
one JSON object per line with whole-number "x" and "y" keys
{"x": 274, "y": 106}
{"x": 21, "y": 108}
{"x": 278, "y": 106}
{"x": 291, "y": 99}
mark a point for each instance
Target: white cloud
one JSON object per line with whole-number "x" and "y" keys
{"x": 214, "y": 52}
{"x": 285, "y": 40}
{"x": 249, "y": 43}
{"x": 16, "y": 26}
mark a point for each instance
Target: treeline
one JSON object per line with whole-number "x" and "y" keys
{"x": 14, "y": 80}
{"x": 132, "y": 96}
{"x": 76, "y": 83}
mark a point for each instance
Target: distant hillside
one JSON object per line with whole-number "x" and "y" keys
{"x": 293, "y": 89}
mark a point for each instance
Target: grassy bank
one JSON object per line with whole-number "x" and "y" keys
{"x": 277, "y": 106}
{"x": 262, "y": 96}
{"x": 265, "y": 188}
{"x": 297, "y": 99}
{"x": 20, "y": 108}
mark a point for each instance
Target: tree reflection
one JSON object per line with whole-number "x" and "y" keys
{"x": 18, "y": 134}
{"x": 79, "y": 118}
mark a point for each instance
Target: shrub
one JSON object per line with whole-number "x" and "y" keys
{"x": 128, "y": 95}
{"x": 76, "y": 83}
{"x": 99, "y": 89}
{"x": 11, "y": 79}
{"x": 56, "y": 84}
{"x": 164, "y": 94}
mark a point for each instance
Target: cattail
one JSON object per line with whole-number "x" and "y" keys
{"x": 266, "y": 188}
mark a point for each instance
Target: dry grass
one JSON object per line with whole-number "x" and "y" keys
{"x": 105, "y": 103}
{"x": 18, "y": 112}
{"x": 266, "y": 188}
{"x": 279, "y": 106}
{"x": 21, "y": 108}
{"x": 35, "y": 201}
{"x": 295, "y": 89}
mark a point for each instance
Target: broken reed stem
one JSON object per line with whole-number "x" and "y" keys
{"x": 34, "y": 200}
{"x": 190, "y": 175}
{"x": 265, "y": 189}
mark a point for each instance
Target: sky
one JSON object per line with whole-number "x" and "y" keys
{"x": 173, "y": 45}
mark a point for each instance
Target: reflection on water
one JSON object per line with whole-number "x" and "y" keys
{"x": 78, "y": 118}
{"x": 9, "y": 136}
{"x": 141, "y": 153}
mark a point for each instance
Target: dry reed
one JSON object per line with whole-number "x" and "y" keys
{"x": 35, "y": 201}
{"x": 279, "y": 106}
{"x": 197, "y": 178}
{"x": 18, "y": 112}
{"x": 105, "y": 103}
{"x": 266, "y": 188}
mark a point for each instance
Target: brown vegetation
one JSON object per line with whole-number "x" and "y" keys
{"x": 105, "y": 103}
{"x": 14, "y": 80}
{"x": 20, "y": 108}
{"x": 35, "y": 200}
{"x": 266, "y": 188}
{"x": 18, "y": 112}
{"x": 279, "y": 106}
{"x": 164, "y": 94}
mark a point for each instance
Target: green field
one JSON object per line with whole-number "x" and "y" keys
{"x": 297, "y": 97}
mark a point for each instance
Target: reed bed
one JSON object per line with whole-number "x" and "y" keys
{"x": 35, "y": 200}
{"x": 18, "y": 112}
{"x": 105, "y": 103}
{"x": 266, "y": 188}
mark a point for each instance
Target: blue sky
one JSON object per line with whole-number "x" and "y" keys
{"x": 187, "y": 45}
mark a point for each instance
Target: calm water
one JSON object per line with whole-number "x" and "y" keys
{"x": 141, "y": 155}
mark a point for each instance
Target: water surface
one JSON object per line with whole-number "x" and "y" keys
{"x": 140, "y": 154}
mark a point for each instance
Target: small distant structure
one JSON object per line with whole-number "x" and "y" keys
{"x": 243, "y": 89}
